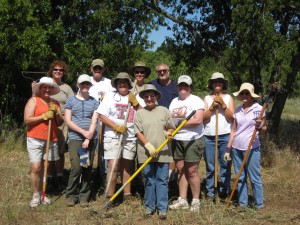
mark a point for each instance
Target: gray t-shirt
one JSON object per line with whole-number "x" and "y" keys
{"x": 65, "y": 93}
{"x": 153, "y": 123}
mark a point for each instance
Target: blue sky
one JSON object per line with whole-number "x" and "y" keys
{"x": 159, "y": 36}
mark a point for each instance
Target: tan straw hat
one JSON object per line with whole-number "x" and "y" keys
{"x": 215, "y": 76}
{"x": 121, "y": 75}
{"x": 249, "y": 87}
{"x": 141, "y": 64}
{"x": 147, "y": 88}
{"x": 48, "y": 81}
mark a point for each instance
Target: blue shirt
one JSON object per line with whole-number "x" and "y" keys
{"x": 168, "y": 92}
{"x": 82, "y": 112}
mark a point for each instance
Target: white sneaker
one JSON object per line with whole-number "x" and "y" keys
{"x": 35, "y": 201}
{"x": 46, "y": 201}
{"x": 180, "y": 204}
{"x": 195, "y": 205}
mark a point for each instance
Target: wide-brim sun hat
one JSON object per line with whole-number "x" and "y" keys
{"x": 47, "y": 81}
{"x": 84, "y": 78}
{"x": 148, "y": 88}
{"x": 185, "y": 79}
{"x": 121, "y": 75}
{"x": 249, "y": 87}
{"x": 217, "y": 75}
{"x": 141, "y": 64}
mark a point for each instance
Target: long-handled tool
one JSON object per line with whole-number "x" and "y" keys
{"x": 246, "y": 155}
{"x": 148, "y": 160}
{"x": 119, "y": 150}
{"x": 46, "y": 161}
{"x": 216, "y": 156}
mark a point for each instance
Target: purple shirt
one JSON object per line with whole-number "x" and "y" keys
{"x": 245, "y": 127}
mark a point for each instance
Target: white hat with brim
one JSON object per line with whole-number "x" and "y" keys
{"x": 121, "y": 75}
{"x": 217, "y": 75}
{"x": 249, "y": 87}
{"x": 47, "y": 81}
{"x": 149, "y": 88}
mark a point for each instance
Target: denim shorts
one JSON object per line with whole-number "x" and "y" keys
{"x": 37, "y": 150}
{"x": 189, "y": 151}
{"x": 127, "y": 148}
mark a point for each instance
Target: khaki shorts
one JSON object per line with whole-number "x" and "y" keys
{"x": 37, "y": 150}
{"x": 128, "y": 148}
{"x": 62, "y": 136}
{"x": 189, "y": 151}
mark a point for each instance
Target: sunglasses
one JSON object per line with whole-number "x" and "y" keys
{"x": 97, "y": 68}
{"x": 60, "y": 70}
{"x": 149, "y": 96}
{"x": 139, "y": 72}
{"x": 217, "y": 81}
{"x": 85, "y": 83}
{"x": 162, "y": 71}
{"x": 245, "y": 93}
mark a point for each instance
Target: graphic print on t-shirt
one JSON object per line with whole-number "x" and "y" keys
{"x": 122, "y": 111}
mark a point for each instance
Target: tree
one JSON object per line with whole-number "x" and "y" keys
{"x": 252, "y": 40}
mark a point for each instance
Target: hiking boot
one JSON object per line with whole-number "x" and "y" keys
{"x": 180, "y": 204}
{"x": 70, "y": 202}
{"x": 84, "y": 204}
{"x": 162, "y": 215}
{"x": 195, "y": 205}
{"x": 35, "y": 201}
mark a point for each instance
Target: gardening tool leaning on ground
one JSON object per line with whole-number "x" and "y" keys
{"x": 46, "y": 161}
{"x": 246, "y": 154}
{"x": 148, "y": 160}
{"x": 216, "y": 156}
{"x": 119, "y": 149}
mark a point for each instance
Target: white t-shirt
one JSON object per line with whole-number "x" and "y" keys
{"x": 180, "y": 109}
{"x": 224, "y": 127}
{"x": 114, "y": 106}
{"x": 100, "y": 88}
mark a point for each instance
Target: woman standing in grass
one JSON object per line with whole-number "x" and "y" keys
{"x": 151, "y": 124}
{"x": 245, "y": 121}
{"x": 81, "y": 118}
{"x": 38, "y": 111}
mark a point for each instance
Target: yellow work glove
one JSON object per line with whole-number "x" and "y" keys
{"x": 151, "y": 149}
{"x": 132, "y": 99}
{"x": 168, "y": 135}
{"x": 48, "y": 115}
{"x": 220, "y": 101}
{"x": 227, "y": 157}
{"x": 52, "y": 107}
{"x": 120, "y": 129}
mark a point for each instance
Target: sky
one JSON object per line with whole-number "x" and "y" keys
{"x": 159, "y": 36}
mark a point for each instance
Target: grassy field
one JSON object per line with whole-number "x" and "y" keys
{"x": 280, "y": 173}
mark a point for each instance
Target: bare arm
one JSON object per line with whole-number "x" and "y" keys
{"x": 141, "y": 137}
{"x": 29, "y": 117}
{"x": 232, "y": 133}
{"x": 106, "y": 121}
{"x": 195, "y": 120}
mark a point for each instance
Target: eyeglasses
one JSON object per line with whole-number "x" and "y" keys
{"x": 60, "y": 70}
{"x": 139, "y": 72}
{"x": 245, "y": 93}
{"x": 217, "y": 81}
{"x": 162, "y": 71}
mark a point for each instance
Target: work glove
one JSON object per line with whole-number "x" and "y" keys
{"x": 84, "y": 157}
{"x": 132, "y": 99}
{"x": 168, "y": 135}
{"x": 120, "y": 129}
{"x": 52, "y": 107}
{"x": 213, "y": 106}
{"x": 220, "y": 101}
{"x": 48, "y": 115}
{"x": 227, "y": 157}
{"x": 151, "y": 149}
{"x": 258, "y": 124}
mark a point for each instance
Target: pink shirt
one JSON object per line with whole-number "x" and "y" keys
{"x": 245, "y": 127}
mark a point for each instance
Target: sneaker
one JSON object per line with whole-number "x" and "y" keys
{"x": 162, "y": 215}
{"x": 148, "y": 213}
{"x": 46, "y": 200}
{"x": 70, "y": 202}
{"x": 180, "y": 204}
{"x": 195, "y": 205}
{"x": 35, "y": 201}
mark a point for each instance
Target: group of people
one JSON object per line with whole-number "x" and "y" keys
{"x": 137, "y": 118}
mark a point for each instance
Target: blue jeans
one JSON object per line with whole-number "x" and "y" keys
{"x": 156, "y": 177}
{"x": 252, "y": 168}
{"x": 225, "y": 167}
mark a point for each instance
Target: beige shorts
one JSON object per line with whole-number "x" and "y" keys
{"x": 127, "y": 148}
{"x": 62, "y": 136}
{"x": 37, "y": 150}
